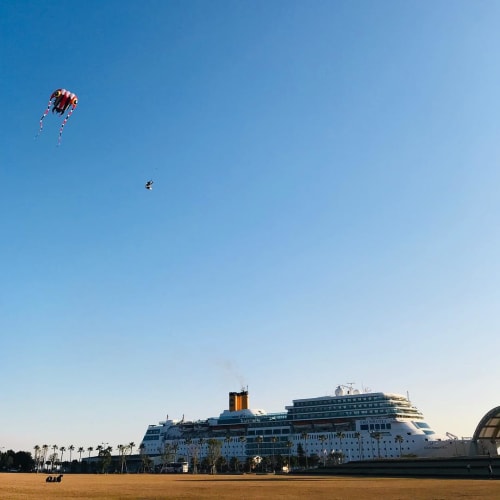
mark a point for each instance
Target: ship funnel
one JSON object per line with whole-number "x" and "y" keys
{"x": 238, "y": 401}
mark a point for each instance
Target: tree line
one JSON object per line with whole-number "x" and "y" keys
{"x": 51, "y": 458}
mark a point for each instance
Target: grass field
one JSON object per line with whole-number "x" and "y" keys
{"x": 139, "y": 486}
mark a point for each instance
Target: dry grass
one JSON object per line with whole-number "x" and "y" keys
{"x": 139, "y": 487}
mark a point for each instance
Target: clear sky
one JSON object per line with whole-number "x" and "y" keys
{"x": 325, "y": 210}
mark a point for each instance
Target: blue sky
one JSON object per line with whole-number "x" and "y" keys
{"x": 325, "y": 210}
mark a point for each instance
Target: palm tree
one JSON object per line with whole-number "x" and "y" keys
{"x": 322, "y": 439}
{"x": 54, "y": 456}
{"x": 141, "y": 451}
{"x": 274, "y": 440}
{"x": 377, "y": 436}
{"x": 45, "y": 449}
{"x": 122, "y": 449}
{"x": 227, "y": 440}
{"x": 188, "y": 443}
{"x": 145, "y": 460}
{"x": 243, "y": 439}
{"x": 399, "y": 439}
{"x": 70, "y": 448}
{"x": 340, "y": 435}
{"x": 80, "y": 451}
{"x": 37, "y": 456}
{"x": 120, "y": 454}
{"x": 259, "y": 440}
{"x": 41, "y": 456}
{"x": 357, "y": 435}
{"x": 132, "y": 446}
{"x": 304, "y": 435}
{"x": 63, "y": 449}
{"x": 90, "y": 450}
{"x": 289, "y": 445}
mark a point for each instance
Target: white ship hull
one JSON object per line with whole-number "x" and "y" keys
{"x": 350, "y": 426}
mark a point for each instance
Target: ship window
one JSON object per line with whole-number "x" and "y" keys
{"x": 421, "y": 425}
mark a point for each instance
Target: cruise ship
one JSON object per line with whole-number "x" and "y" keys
{"x": 351, "y": 425}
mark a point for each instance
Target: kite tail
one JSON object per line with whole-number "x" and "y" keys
{"x": 43, "y": 116}
{"x": 64, "y": 123}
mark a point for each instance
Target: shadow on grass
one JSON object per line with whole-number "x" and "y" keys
{"x": 277, "y": 478}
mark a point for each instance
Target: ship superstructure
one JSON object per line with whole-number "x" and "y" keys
{"x": 357, "y": 425}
